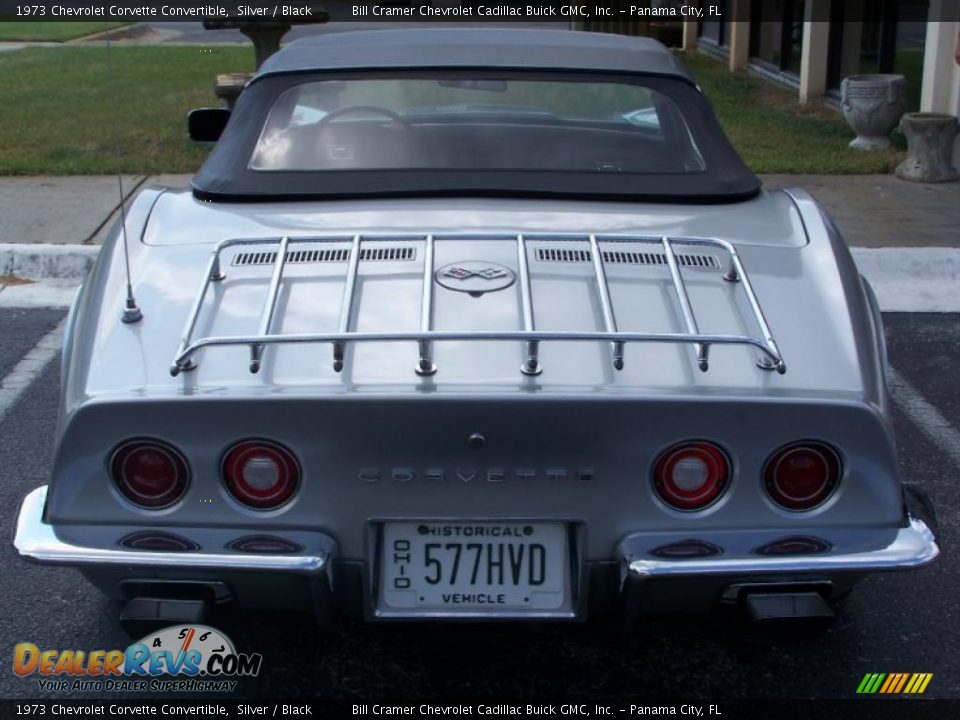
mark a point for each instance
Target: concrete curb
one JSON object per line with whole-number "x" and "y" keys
{"x": 129, "y": 32}
{"x": 47, "y": 294}
{"x": 904, "y": 279}
{"x": 912, "y": 279}
{"x": 47, "y": 262}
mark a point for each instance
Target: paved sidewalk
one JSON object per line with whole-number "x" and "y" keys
{"x": 882, "y": 210}
{"x": 74, "y": 210}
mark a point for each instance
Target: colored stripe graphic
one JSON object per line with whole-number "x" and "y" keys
{"x": 894, "y": 683}
{"x": 918, "y": 683}
{"x": 870, "y": 683}
{"x": 892, "y": 679}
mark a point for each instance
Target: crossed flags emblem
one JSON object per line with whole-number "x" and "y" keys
{"x": 462, "y": 273}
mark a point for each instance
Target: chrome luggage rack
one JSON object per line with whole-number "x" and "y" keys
{"x": 769, "y": 358}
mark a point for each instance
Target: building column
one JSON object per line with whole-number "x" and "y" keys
{"x": 941, "y": 75}
{"x": 813, "y": 57}
{"x": 690, "y": 29}
{"x": 739, "y": 34}
{"x": 939, "y": 66}
{"x": 852, "y": 39}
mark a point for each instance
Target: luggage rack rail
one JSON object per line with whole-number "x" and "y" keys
{"x": 769, "y": 357}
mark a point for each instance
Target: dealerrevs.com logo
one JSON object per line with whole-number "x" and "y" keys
{"x": 188, "y": 658}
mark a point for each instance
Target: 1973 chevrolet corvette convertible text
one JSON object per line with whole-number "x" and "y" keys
{"x": 481, "y": 324}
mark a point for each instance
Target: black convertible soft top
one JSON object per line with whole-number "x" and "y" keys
{"x": 535, "y": 54}
{"x": 476, "y": 47}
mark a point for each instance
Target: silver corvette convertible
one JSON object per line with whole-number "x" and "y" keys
{"x": 487, "y": 324}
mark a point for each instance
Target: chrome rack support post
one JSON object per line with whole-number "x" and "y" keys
{"x": 609, "y": 321}
{"x": 532, "y": 364}
{"x": 266, "y": 317}
{"x": 773, "y": 360}
{"x": 216, "y": 273}
{"x": 346, "y": 307}
{"x": 181, "y": 363}
{"x": 702, "y": 348}
{"x": 426, "y": 367}
{"x": 731, "y": 275}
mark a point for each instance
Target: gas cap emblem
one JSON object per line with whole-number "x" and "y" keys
{"x": 475, "y": 277}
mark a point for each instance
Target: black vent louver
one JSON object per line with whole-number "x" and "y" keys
{"x": 628, "y": 257}
{"x": 334, "y": 255}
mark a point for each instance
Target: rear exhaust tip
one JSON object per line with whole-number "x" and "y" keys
{"x": 797, "y": 612}
{"x": 143, "y": 615}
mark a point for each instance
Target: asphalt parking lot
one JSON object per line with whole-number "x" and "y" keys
{"x": 895, "y": 623}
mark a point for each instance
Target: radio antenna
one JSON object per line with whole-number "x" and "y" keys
{"x": 131, "y": 313}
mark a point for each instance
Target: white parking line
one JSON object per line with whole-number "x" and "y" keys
{"x": 925, "y": 416}
{"x": 29, "y": 367}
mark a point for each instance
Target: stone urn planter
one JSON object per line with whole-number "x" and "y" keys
{"x": 872, "y": 105}
{"x": 930, "y": 139}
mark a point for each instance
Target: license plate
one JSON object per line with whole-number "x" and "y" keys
{"x": 474, "y": 568}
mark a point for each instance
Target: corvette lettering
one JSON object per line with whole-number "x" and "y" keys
{"x": 466, "y": 475}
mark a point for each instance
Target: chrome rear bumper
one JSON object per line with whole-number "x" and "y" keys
{"x": 699, "y": 583}
{"x": 35, "y": 541}
{"x": 737, "y": 577}
{"x": 913, "y": 546}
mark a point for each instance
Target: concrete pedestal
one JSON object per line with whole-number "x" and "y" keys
{"x": 930, "y": 139}
{"x": 228, "y": 87}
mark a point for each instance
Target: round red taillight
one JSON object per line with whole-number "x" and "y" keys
{"x": 150, "y": 473}
{"x": 261, "y": 474}
{"x": 691, "y": 476}
{"x": 802, "y": 476}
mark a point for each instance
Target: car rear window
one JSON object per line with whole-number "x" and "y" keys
{"x": 475, "y": 122}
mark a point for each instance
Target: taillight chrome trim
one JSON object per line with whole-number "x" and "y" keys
{"x": 280, "y": 545}
{"x": 687, "y": 549}
{"x": 118, "y": 456}
{"x": 139, "y": 540}
{"x": 288, "y": 456}
{"x": 832, "y": 461}
{"x": 676, "y": 503}
{"x": 794, "y": 545}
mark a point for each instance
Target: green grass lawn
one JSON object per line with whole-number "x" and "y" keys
{"x": 57, "y": 113}
{"x": 53, "y": 31}
{"x": 774, "y": 134}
